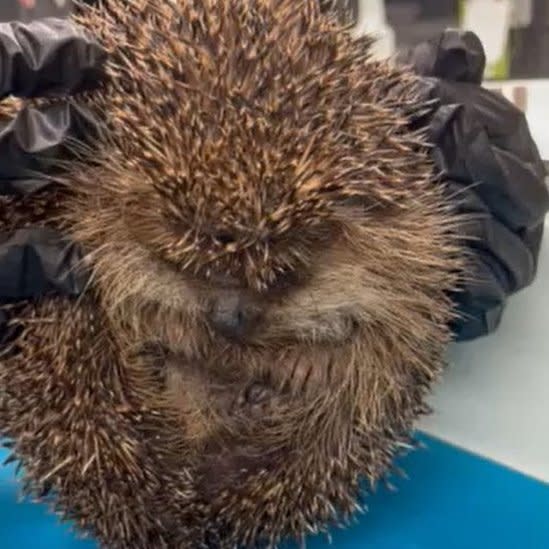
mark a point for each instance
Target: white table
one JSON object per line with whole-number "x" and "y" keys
{"x": 494, "y": 398}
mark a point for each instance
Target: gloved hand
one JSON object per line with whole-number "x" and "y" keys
{"x": 484, "y": 149}
{"x": 42, "y": 59}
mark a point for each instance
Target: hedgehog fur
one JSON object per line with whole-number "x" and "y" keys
{"x": 252, "y": 150}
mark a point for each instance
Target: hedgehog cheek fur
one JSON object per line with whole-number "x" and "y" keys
{"x": 270, "y": 258}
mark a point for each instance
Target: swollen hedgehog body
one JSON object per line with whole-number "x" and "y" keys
{"x": 270, "y": 257}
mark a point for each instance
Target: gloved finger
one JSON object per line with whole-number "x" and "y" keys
{"x": 499, "y": 263}
{"x": 506, "y": 169}
{"x": 477, "y": 323}
{"x": 513, "y": 255}
{"x": 532, "y": 238}
{"x": 481, "y": 300}
{"x": 513, "y": 260}
{"x": 35, "y": 141}
{"x": 454, "y": 55}
{"x": 47, "y": 57}
{"x": 37, "y": 261}
{"x": 504, "y": 123}
{"x": 515, "y": 191}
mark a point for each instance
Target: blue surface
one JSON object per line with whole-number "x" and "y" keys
{"x": 453, "y": 500}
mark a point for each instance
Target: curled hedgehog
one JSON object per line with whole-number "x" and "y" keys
{"x": 271, "y": 257}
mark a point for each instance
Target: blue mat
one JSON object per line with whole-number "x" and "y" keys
{"x": 453, "y": 500}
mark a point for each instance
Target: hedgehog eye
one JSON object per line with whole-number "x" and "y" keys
{"x": 354, "y": 201}
{"x": 358, "y": 203}
{"x": 225, "y": 238}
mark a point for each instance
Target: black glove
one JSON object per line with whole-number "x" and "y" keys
{"x": 41, "y": 59}
{"x": 484, "y": 149}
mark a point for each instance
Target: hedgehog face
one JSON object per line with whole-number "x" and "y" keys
{"x": 320, "y": 301}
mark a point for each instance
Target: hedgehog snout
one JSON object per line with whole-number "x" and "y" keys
{"x": 233, "y": 315}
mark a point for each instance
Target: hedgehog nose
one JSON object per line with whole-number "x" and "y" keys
{"x": 233, "y": 317}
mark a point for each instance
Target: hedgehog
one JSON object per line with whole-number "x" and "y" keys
{"x": 271, "y": 257}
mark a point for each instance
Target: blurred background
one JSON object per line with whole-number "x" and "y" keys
{"x": 515, "y": 32}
